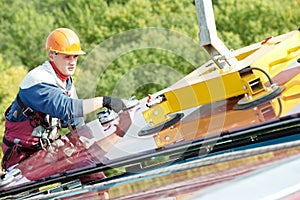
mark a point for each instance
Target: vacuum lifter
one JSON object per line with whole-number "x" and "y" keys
{"x": 230, "y": 76}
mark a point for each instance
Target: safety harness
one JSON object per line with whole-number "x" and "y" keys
{"x": 35, "y": 117}
{"x": 36, "y": 120}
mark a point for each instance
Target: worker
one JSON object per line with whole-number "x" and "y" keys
{"x": 47, "y": 101}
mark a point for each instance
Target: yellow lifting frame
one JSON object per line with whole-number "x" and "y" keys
{"x": 210, "y": 90}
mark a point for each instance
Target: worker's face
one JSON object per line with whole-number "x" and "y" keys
{"x": 66, "y": 64}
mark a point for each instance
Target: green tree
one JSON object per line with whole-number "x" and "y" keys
{"x": 24, "y": 27}
{"x": 241, "y": 23}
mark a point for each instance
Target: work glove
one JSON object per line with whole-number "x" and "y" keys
{"x": 114, "y": 103}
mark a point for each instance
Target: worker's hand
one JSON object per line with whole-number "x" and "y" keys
{"x": 114, "y": 103}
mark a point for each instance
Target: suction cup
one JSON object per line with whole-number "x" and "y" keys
{"x": 246, "y": 103}
{"x": 154, "y": 129}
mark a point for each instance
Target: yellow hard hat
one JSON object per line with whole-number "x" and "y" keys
{"x": 65, "y": 41}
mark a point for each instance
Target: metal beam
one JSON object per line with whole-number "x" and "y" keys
{"x": 209, "y": 40}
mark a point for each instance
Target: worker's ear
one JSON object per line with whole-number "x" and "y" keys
{"x": 50, "y": 55}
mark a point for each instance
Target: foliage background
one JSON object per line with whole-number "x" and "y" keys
{"x": 25, "y": 25}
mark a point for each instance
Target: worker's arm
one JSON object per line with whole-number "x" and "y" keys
{"x": 90, "y": 105}
{"x": 112, "y": 103}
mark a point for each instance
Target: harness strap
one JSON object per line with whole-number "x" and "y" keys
{"x": 38, "y": 118}
{"x": 14, "y": 147}
{"x": 8, "y": 152}
{"x": 29, "y": 150}
{"x": 8, "y": 143}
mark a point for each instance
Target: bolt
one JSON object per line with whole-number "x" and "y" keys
{"x": 167, "y": 138}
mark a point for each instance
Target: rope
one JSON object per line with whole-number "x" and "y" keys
{"x": 178, "y": 167}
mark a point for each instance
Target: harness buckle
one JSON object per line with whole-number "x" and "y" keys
{"x": 27, "y": 112}
{"x": 44, "y": 142}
